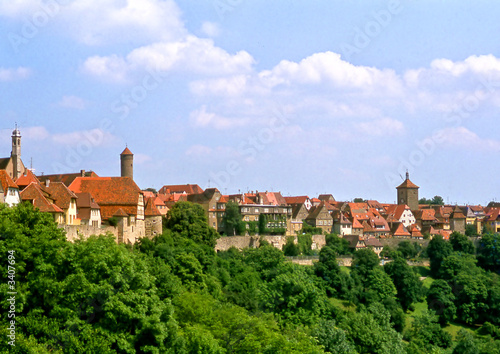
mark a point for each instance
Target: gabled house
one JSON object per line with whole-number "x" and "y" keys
{"x": 42, "y": 200}
{"x": 341, "y": 224}
{"x": 208, "y": 200}
{"x": 120, "y": 199}
{"x": 299, "y": 214}
{"x": 402, "y": 213}
{"x": 64, "y": 199}
{"x": 9, "y": 191}
{"x": 320, "y": 217}
{"x": 374, "y": 244}
{"x": 299, "y": 200}
{"x": 89, "y": 212}
{"x": 26, "y": 179}
{"x": 492, "y": 219}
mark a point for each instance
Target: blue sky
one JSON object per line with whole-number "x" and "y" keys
{"x": 302, "y": 97}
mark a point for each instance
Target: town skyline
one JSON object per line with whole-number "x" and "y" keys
{"x": 306, "y": 99}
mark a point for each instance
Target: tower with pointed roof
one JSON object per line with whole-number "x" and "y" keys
{"x": 17, "y": 165}
{"x": 408, "y": 193}
{"x": 127, "y": 163}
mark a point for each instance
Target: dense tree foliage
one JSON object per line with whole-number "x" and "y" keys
{"x": 437, "y": 200}
{"x": 438, "y": 250}
{"x": 174, "y": 294}
{"x": 232, "y": 220}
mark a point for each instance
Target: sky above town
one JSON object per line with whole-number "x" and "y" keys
{"x": 301, "y": 97}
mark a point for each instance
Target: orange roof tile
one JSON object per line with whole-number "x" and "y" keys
{"x": 6, "y": 182}
{"x": 151, "y": 209}
{"x": 126, "y": 152}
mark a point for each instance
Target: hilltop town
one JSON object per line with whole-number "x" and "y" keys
{"x": 84, "y": 204}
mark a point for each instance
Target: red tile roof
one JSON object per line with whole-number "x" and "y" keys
{"x": 126, "y": 152}
{"x": 27, "y": 179}
{"x": 407, "y": 184}
{"x": 296, "y": 200}
{"x": 400, "y": 231}
{"x": 61, "y": 194}
{"x": 6, "y": 182}
{"x": 151, "y": 209}
{"x": 66, "y": 178}
{"x": 37, "y": 197}
{"x": 111, "y": 193}
{"x": 181, "y": 188}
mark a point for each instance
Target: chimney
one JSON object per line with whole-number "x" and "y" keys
{"x": 47, "y": 183}
{"x": 82, "y": 173}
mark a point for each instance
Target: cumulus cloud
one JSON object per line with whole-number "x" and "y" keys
{"x": 100, "y": 22}
{"x": 464, "y": 138}
{"x": 191, "y": 55}
{"x": 201, "y": 118}
{"x": 11, "y": 74}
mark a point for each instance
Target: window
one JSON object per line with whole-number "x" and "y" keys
{"x": 266, "y": 210}
{"x": 257, "y": 210}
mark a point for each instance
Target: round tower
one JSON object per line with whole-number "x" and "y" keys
{"x": 16, "y": 154}
{"x": 127, "y": 163}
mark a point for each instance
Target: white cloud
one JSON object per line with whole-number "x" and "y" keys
{"x": 199, "y": 150}
{"x": 12, "y": 74}
{"x": 35, "y": 133}
{"x": 464, "y": 138}
{"x": 211, "y": 29}
{"x": 191, "y": 55}
{"x": 99, "y": 22}
{"x": 72, "y": 102}
{"x": 200, "y": 118}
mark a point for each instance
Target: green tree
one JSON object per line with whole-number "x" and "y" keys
{"x": 293, "y": 296}
{"x": 470, "y": 230}
{"x": 188, "y": 220}
{"x": 328, "y": 269}
{"x": 339, "y": 244}
{"x": 409, "y": 249}
{"x": 232, "y": 219}
{"x": 426, "y": 334}
{"x": 291, "y": 248}
{"x": 370, "y": 331}
{"x": 408, "y": 285}
{"x": 461, "y": 243}
{"x": 262, "y": 224}
{"x": 489, "y": 252}
{"x": 441, "y": 300}
{"x": 364, "y": 261}
{"x": 332, "y": 338}
{"x": 438, "y": 250}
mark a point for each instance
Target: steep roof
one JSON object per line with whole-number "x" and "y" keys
{"x": 126, "y": 152}
{"x": 457, "y": 214}
{"x": 355, "y": 241}
{"x": 111, "y": 193}
{"x": 373, "y": 242}
{"x": 4, "y": 162}
{"x": 407, "y": 183}
{"x": 297, "y": 200}
{"x": 400, "y": 230}
{"x": 326, "y": 197}
{"x": 397, "y": 210}
{"x": 34, "y": 194}
{"x": 356, "y": 224}
{"x": 85, "y": 200}
{"x": 61, "y": 194}
{"x": 206, "y": 196}
{"x": 26, "y": 179}
{"x": 181, "y": 188}
{"x": 151, "y": 209}
{"x": 315, "y": 211}
{"x": 6, "y": 182}
{"x": 66, "y": 178}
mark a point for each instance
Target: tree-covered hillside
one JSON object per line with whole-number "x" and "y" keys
{"x": 174, "y": 294}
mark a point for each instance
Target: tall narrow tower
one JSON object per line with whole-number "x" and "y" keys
{"x": 15, "y": 154}
{"x": 408, "y": 193}
{"x": 127, "y": 163}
